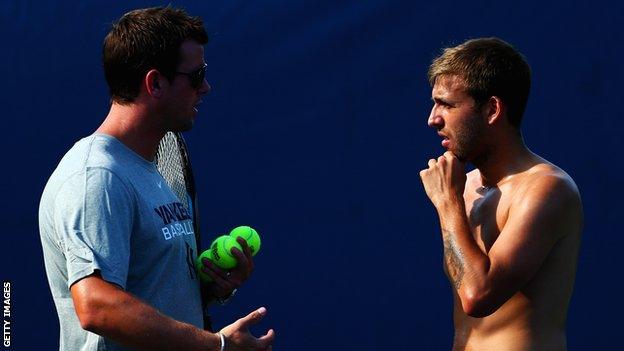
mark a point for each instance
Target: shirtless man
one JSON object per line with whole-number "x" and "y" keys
{"x": 511, "y": 228}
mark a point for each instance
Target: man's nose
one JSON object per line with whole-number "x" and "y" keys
{"x": 205, "y": 87}
{"x": 434, "y": 120}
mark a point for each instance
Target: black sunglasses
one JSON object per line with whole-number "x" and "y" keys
{"x": 196, "y": 77}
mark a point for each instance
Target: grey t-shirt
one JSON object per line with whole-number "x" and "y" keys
{"x": 106, "y": 209}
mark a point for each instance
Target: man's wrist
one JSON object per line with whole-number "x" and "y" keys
{"x": 451, "y": 205}
{"x": 223, "y": 340}
{"x": 449, "y": 212}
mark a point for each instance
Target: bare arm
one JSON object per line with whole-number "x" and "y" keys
{"x": 105, "y": 309}
{"x": 536, "y": 221}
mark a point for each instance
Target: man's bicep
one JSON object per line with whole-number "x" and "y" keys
{"x": 91, "y": 294}
{"x": 90, "y": 285}
{"x": 533, "y": 227}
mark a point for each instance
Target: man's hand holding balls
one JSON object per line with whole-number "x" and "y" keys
{"x": 228, "y": 262}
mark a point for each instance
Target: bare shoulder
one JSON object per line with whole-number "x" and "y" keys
{"x": 550, "y": 190}
{"x": 548, "y": 178}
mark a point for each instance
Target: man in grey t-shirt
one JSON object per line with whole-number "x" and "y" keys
{"x": 120, "y": 270}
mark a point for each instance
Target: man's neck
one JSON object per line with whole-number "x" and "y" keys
{"x": 504, "y": 160}
{"x": 135, "y": 127}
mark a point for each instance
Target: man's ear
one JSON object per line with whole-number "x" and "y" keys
{"x": 154, "y": 83}
{"x": 494, "y": 110}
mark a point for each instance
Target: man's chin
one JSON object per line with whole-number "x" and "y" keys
{"x": 185, "y": 126}
{"x": 460, "y": 156}
{"x": 188, "y": 126}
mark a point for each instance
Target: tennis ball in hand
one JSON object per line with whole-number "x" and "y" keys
{"x": 250, "y": 235}
{"x": 221, "y": 251}
{"x": 199, "y": 264}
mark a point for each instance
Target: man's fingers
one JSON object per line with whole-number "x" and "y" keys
{"x": 246, "y": 248}
{"x": 241, "y": 259}
{"x": 253, "y": 318}
{"x": 431, "y": 162}
{"x": 449, "y": 155}
{"x": 265, "y": 341}
{"x": 238, "y": 332}
{"x": 244, "y": 264}
{"x": 209, "y": 267}
{"x": 219, "y": 276}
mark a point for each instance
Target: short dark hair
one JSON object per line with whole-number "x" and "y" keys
{"x": 488, "y": 67}
{"x": 146, "y": 39}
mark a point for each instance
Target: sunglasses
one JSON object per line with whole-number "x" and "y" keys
{"x": 196, "y": 77}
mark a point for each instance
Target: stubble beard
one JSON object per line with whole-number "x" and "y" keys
{"x": 181, "y": 123}
{"x": 469, "y": 140}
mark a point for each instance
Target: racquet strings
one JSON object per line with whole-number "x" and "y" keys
{"x": 173, "y": 163}
{"x": 171, "y": 166}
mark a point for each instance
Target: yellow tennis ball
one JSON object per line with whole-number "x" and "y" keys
{"x": 199, "y": 265}
{"x": 250, "y": 235}
{"x": 221, "y": 251}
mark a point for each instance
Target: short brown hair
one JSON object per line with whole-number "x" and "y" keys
{"x": 146, "y": 39}
{"x": 488, "y": 67}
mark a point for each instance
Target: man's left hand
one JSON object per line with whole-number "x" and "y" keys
{"x": 224, "y": 282}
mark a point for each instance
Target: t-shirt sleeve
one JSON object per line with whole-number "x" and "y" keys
{"x": 94, "y": 217}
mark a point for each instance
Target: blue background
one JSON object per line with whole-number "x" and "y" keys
{"x": 314, "y": 134}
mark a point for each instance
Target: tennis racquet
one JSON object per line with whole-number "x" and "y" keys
{"x": 173, "y": 163}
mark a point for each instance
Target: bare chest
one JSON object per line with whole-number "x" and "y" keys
{"x": 487, "y": 211}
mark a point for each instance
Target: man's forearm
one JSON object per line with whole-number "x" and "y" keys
{"x": 116, "y": 314}
{"x": 139, "y": 325}
{"x": 466, "y": 265}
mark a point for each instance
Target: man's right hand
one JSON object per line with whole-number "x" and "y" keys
{"x": 238, "y": 337}
{"x": 444, "y": 180}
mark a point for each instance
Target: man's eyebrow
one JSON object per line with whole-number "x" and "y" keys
{"x": 440, "y": 100}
